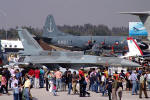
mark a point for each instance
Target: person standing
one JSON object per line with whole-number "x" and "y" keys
{"x": 58, "y": 76}
{"x": 0, "y": 77}
{"x": 51, "y": 81}
{"x": 109, "y": 86}
{"x": 143, "y": 86}
{"x": 103, "y": 83}
{"x": 134, "y": 82}
{"x": 74, "y": 82}
{"x": 36, "y": 81}
{"x": 18, "y": 75}
{"x": 122, "y": 76}
{"x": 4, "y": 84}
{"x": 114, "y": 88}
{"x": 148, "y": 80}
{"x": 128, "y": 86}
{"x": 16, "y": 92}
{"x": 69, "y": 82}
{"x": 93, "y": 80}
{"x": 83, "y": 84}
{"x": 116, "y": 75}
{"x": 46, "y": 79}
{"x": 119, "y": 88}
{"x": 54, "y": 90}
{"x": 99, "y": 74}
{"x": 7, "y": 76}
{"x": 41, "y": 79}
{"x": 26, "y": 86}
{"x": 65, "y": 78}
{"x": 14, "y": 81}
{"x": 31, "y": 76}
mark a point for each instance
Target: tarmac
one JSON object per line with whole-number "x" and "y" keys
{"x": 42, "y": 94}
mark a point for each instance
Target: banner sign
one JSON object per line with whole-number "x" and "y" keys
{"x": 137, "y": 29}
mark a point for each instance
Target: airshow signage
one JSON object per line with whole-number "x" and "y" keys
{"x": 137, "y": 29}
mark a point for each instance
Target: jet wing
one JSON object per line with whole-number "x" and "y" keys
{"x": 136, "y": 13}
{"x": 86, "y": 59}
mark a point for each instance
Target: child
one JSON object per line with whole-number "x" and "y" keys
{"x": 54, "y": 90}
{"x": 13, "y": 81}
{"x": 3, "y": 84}
{"x": 50, "y": 79}
{"x": 16, "y": 92}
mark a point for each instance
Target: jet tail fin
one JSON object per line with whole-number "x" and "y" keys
{"x": 50, "y": 29}
{"x": 134, "y": 49}
{"x": 144, "y": 17}
{"x": 29, "y": 43}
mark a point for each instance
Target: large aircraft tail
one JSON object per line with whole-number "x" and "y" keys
{"x": 144, "y": 17}
{"x": 29, "y": 43}
{"x": 134, "y": 49}
{"x": 50, "y": 29}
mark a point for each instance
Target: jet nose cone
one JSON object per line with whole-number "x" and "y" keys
{"x": 127, "y": 63}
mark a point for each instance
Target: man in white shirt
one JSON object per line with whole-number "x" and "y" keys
{"x": 103, "y": 80}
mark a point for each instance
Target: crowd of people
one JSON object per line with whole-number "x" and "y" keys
{"x": 80, "y": 82}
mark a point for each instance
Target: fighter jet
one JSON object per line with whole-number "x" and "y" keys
{"x": 33, "y": 53}
{"x": 52, "y": 35}
{"x": 134, "y": 49}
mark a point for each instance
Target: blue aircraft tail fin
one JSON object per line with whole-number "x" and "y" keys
{"x": 50, "y": 29}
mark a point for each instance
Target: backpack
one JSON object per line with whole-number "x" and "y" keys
{"x": 93, "y": 77}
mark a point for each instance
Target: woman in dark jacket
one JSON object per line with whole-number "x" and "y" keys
{"x": 83, "y": 84}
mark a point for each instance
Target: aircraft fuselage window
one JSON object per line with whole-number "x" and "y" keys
{"x": 5, "y": 45}
{"x": 10, "y": 46}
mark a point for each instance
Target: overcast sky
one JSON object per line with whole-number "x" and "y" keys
{"x": 70, "y": 12}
